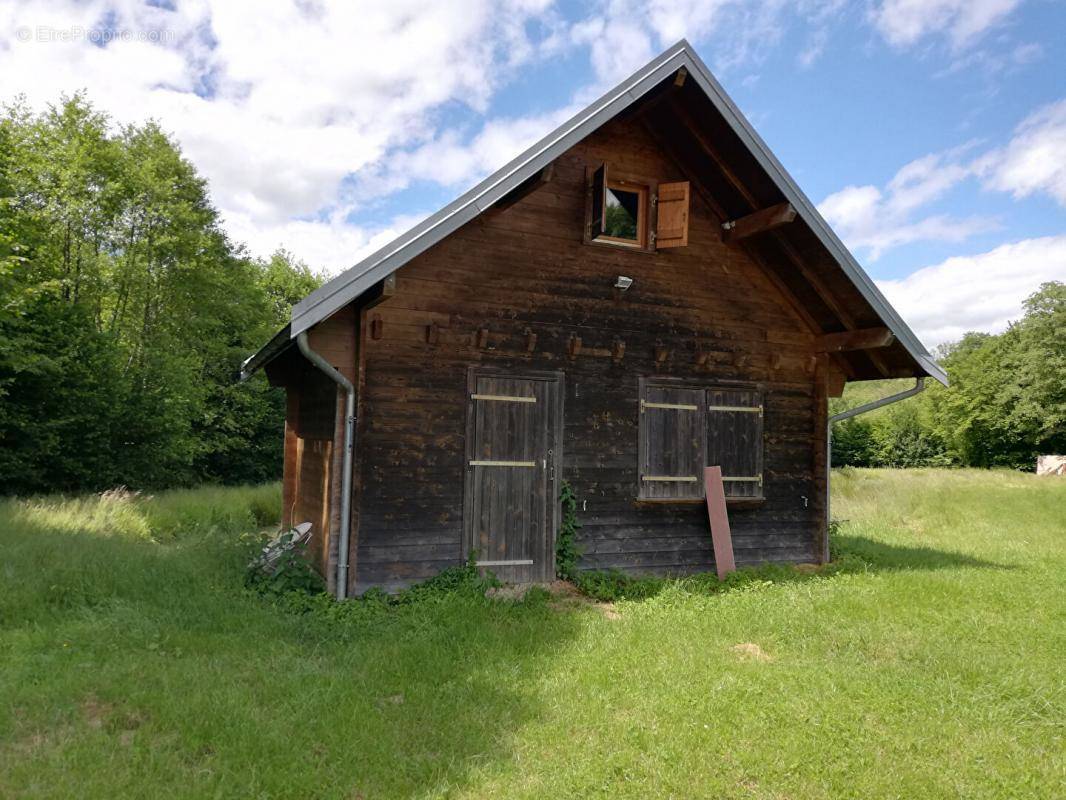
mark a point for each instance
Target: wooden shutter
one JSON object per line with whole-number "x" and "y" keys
{"x": 672, "y": 442}
{"x": 734, "y": 439}
{"x": 671, "y": 227}
{"x": 598, "y": 217}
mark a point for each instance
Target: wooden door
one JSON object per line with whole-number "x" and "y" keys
{"x": 512, "y": 463}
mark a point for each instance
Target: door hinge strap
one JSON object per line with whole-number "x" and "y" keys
{"x": 503, "y": 398}
{"x": 521, "y": 562}
{"x": 757, "y": 479}
{"x": 503, "y": 463}
{"x": 748, "y": 409}
{"x": 675, "y": 406}
{"x": 672, "y": 478}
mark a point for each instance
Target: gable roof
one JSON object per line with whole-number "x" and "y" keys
{"x": 349, "y": 285}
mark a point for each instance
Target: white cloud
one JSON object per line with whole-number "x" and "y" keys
{"x": 906, "y": 22}
{"x": 982, "y": 292}
{"x": 875, "y": 220}
{"x": 624, "y": 34}
{"x": 277, "y": 103}
{"x": 332, "y": 244}
{"x": 1035, "y": 158}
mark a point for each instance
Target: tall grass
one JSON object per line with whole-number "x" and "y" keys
{"x": 132, "y": 664}
{"x": 85, "y": 551}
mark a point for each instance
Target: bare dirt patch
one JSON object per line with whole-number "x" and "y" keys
{"x": 565, "y": 597}
{"x": 749, "y": 651}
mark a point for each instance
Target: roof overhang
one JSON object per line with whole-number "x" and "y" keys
{"x": 349, "y": 285}
{"x": 278, "y": 344}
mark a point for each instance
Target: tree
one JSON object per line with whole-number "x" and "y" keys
{"x": 125, "y": 312}
{"x": 1006, "y": 403}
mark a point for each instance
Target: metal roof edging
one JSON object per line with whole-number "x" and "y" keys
{"x": 340, "y": 291}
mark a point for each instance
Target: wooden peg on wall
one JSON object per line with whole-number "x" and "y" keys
{"x": 432, "y": 333}
{"x": 618, "y": 351}
{"x": 662, "y": 352}
{"x": 531, "y": 340}
{"x": 483, "y": 338}
{"x": 376, "y": 328}
{"x": 573, "y": 346}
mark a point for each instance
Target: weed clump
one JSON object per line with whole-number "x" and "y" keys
{"x": 461, "y": 582}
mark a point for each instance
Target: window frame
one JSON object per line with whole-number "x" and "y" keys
{"x": 647, "y": 188}
{"x": 641, "y": 192}
{"x": 706, "y": 387}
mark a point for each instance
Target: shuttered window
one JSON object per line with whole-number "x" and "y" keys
{"x": 673, "y": 442}
{"x": 636, "y": 212}
{"x": 734, "y": 439}
{"x": 686, "y": 428}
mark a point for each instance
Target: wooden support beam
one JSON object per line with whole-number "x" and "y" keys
{"x": 862, "y": 339}
{"x": 712, "y": 151}
{"x": 691, "y": 177}
{"x": 834, "y": 382}
{"x": 655, "y": 98}
{"x": 379, "y": 292}
{"x": 761, "y": 221}
{"x": 525, "y": 188}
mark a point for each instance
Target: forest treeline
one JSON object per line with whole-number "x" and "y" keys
{"x": 1006, "y": 403}
{"x": 125, "y": 313}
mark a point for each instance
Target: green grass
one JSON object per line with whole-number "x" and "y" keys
{"x": 132, "y": 663}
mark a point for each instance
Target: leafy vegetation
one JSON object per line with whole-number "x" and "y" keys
{"x": 125, "y": 313}
{"x": 567, "y": 553}
{"x": 283, "y": 567}
{"x": 1006, "y": 403}
{"x": 927, "y": 664}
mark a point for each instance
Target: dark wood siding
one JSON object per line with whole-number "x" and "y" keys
{"x": 517, "y": 289}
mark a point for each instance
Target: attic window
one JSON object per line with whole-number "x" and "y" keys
{"x": 620, "y": 212}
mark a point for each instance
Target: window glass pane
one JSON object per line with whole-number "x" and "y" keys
{"x": 622, "y": 213}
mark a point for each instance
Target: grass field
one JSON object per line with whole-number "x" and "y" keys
{"x": 133, "y": 664}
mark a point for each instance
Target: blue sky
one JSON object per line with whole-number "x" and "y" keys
{"x": 931, "y": 133}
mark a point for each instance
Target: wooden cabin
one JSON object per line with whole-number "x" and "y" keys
{"x": 642, "y": 293}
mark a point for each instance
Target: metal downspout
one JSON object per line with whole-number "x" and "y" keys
{"x": 346, "y": 469}
{"x": 919, "y": 386}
